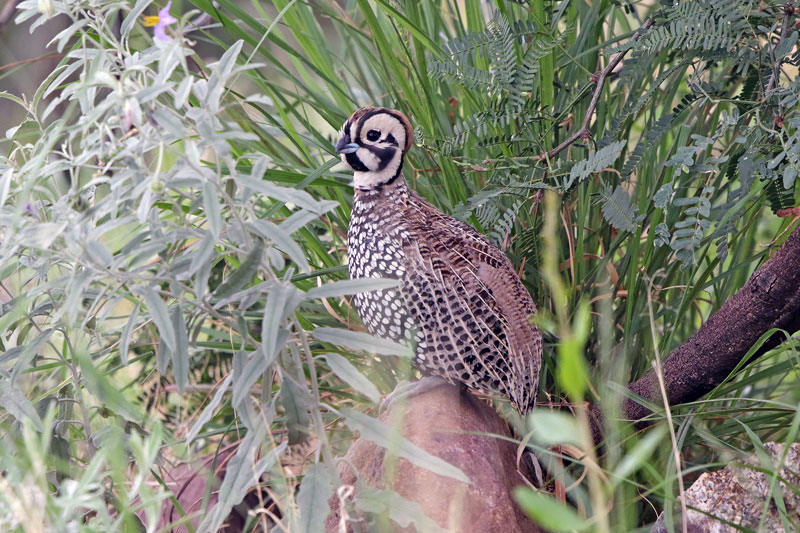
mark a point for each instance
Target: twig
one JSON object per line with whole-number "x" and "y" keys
{"x": 7, "y": 12}
{"x": 788, "y": 11}
{"x": 28, "y": 61}
{"x": 599, "y": 79}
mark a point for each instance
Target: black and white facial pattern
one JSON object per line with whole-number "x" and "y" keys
{"x": 378, "y": 139}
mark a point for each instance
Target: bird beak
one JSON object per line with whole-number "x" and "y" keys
{"x": 344, "y": 146}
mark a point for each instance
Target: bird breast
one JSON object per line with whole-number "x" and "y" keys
{"x": 375, "y": 250}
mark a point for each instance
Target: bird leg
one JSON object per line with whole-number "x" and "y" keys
{"x": 409, "y": 389}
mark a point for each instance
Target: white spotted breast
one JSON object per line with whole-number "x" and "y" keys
{"x": 375, "y": 250}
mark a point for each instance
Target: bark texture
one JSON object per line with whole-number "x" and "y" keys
{"x": 452, "y": 424}
{"x": 769, "y": 299}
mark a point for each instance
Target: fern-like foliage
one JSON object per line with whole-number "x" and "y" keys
{"x": 788, "y": 159}
{"x": 692, "y": 213}
{"x": 495, "y": 45}
{"x": 596, "y": 162}
{"x": 654, "y": 134}
{"x": 687, "y": 43}
{"x": 528, "y": 244}
{"x": 525, "y": 72}
{"x": 482, "y": 125}
{"x": 501, "y": 62}
{"x": 498, "y": 223}
{"x": 779, "y": 197}
{"x": 633, "y": 107}
{"x": 618, "y": 209}
{"x": 689, "y": 232}
{"x": 706, "y": 25}
{"x": 466, "y": 75}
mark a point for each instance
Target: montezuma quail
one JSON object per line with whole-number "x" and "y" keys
{"x": 460, "y": 300}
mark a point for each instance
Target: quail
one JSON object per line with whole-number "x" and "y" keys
{"x": 459, "y": 303}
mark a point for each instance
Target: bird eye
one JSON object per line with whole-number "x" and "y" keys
{"x": 373, "y": 135}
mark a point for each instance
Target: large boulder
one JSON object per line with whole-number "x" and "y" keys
{"x": 454, "y": 425}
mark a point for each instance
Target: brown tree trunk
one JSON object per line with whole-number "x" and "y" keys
{"x": 770, "y": 299}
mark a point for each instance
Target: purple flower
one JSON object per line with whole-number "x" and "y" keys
{"x": 131, "y": 114}
{"x": 31, "y": 208}
{"x": 160, "y": 22}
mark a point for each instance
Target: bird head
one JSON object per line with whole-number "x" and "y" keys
{"x": 374, "y": 141}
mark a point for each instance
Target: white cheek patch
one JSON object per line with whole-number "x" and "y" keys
{"x": 369, "y": 159}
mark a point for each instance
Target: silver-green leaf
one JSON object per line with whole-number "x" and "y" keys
{"x": 348, "y": 373}
{"x": 352, "y": 286}
{"x": 360, "y": 341}
{"x": 160, "y": 316}
{"x": 315, "y": 490}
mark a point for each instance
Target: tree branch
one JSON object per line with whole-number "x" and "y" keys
{"x": 786, "y": 26}
{"x": 599, "y": 79}
{"x": 770, "y": 299}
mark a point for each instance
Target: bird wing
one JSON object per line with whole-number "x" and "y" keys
{"x": 457, "y": 277}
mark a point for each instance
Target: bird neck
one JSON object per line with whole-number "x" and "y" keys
{"x": 396, "y": 187}
{"x": 375, "y": 179}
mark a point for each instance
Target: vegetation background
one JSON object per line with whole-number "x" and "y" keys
{"x": 172, "y": 240}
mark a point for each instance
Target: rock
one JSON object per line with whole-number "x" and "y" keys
{"x": 188, "y": 481}
{"x": 736, "y": 494}
{"x": 452, "y": 424}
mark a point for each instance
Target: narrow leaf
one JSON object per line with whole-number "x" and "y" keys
{"x": 160, "y": 316}
{"x": 29, "y": 351}
{"x": 5, "y": 185}
{"x": 202, "y": 255}
{"x": 180, "y": 355}
{"x": 17, "y": 404}
{"x": 282, "y": 300}
{"x": 315, "y": 490}
{"x": 282, "y": 240}
{"x": 352, "y": 286}
{"x": 133, "y": 16}
{"x": 402, "y": 511}
{"x": 99, "y": 253}
{"x": 242, "y": 472}
{"x": 208, "y": 410}
{"x": 548, "y": 512}
{"x": 348, "y": 373}
{"x": 297, "y": 197}
{"x": 127, "y": 332}
{"x": 296, "y": 402}
{"x": 297, "y": 220}
{"x": 553, "y": 427}
{"x": 636, "y": 457}
{"x": 211, "y": 205}
{"x": 258, "y": 363}
{"x": 243, "y": 274}
{"x": 360, "y": 341}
